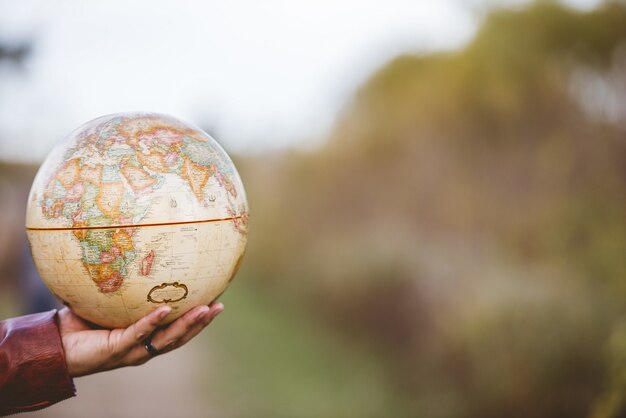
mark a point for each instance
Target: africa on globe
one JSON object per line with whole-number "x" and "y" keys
{"x": 133, "y": 211}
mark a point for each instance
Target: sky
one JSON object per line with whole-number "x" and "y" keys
{"x": 258, "y": 75}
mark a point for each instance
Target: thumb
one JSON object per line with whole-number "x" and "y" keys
{"x": 141, "y": 329}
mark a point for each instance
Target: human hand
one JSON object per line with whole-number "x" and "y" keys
{"x": 90, "y": 350}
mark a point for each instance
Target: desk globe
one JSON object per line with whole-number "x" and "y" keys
{"x": 133, "y": 211}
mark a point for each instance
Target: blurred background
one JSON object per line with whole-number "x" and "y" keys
{"x": 437, "y": 192}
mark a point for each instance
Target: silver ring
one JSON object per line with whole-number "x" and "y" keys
{"x": 151, "y": 350}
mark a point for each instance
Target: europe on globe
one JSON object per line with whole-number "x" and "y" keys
{"x": 135, "y": 210}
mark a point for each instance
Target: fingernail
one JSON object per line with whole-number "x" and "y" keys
{"x": 164, "y": 312}
{"x": 205, "y": 317}
{"x": 210, "y": 315}
{"x": 201, "y": 314}
{"x": 218, "y": 311}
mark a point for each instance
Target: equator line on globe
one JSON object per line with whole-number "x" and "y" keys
{"x": 135, "y": 210}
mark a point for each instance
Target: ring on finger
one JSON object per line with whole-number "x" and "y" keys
{"x": 151, "y": 350}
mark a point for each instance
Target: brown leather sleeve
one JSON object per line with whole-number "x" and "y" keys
{"x": 33, "y": 374}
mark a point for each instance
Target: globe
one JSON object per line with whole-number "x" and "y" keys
{"x": 133, "y": 211}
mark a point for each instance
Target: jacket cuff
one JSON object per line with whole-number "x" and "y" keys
{"x": 33, "y": 372}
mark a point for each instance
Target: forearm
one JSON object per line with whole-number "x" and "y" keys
{"x": 33, "y": 372}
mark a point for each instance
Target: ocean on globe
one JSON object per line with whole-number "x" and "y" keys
{"x": 133, "y": 211}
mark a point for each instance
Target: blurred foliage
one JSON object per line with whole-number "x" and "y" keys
{"x": 467, "y": 217}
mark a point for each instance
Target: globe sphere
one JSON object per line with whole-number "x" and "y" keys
{"x": 133, "y": 211}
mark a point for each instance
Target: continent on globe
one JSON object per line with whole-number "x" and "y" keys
{"x": 146, "y": 263}
{"x": 132, "y": 201}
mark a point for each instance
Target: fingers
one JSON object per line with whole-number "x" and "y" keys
{"x": 177, "y": 333}
{"x": 185, "y": 328}
{"x": 141, "y": 329}
{"x": 201, "y": 323}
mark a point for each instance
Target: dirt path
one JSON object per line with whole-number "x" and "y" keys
{"x": 168, "y": 386}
